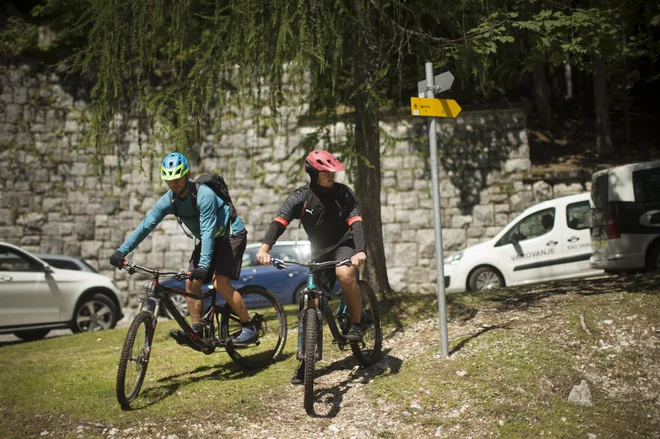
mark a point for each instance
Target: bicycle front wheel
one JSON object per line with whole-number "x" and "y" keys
{"x": 369, "y": 350}
{"x": 134, "y": 359}
{"x": 267, "y": 314}
{"x": 311, "y": 329}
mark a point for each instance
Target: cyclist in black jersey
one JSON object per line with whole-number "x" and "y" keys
{"x": 330, "y": 216}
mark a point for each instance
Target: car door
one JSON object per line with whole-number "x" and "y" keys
{"x": 28, "y": 295}
{"x": 531, "y": 249}
{"x": 283, "y": 283}
{"x": 576, "y": 239}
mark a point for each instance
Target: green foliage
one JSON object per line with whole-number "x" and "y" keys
{"x": 17, "y": 37}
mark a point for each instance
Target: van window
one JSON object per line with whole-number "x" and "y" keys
{"x": 537, "y": 224}
{"x": 646, "y": 184}
{"x": 577, "y": 215}
{"x": 599, "y": 191}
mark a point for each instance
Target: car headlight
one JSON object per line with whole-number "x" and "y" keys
{"x": 453, "y": 259}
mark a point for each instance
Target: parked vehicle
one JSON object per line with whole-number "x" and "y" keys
{"x": 36, "y": 297}
{"x": 548, "y": 241}
{"x": 625, "y": 218}
{"x": 285, "y": 284}
{"x": 66, "y": 262}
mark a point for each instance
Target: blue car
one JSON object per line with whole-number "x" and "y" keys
{"x": 285, "y": 284}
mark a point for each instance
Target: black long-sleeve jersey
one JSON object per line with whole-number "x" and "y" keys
{"x": 326, "y": 215}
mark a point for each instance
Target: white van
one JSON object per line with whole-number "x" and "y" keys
{"x": 625, "y": 218}
{"x": 548, "y": 241}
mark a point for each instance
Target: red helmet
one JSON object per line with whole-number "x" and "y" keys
{"x": 322, "y": 161}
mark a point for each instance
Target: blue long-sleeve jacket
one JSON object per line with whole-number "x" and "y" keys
{"x": 211, "y": 222}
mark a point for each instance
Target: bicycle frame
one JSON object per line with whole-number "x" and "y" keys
{"x": 308, "y": 299}
{"x": 158, "y": 293}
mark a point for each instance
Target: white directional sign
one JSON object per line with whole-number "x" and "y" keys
{"x": 441, "y": 82}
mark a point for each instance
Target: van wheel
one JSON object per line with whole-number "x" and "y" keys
{"x": 653, "y": 259}
{"x": 485, "y": 278}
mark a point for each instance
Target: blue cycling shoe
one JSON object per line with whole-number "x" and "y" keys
{"x": 247, "y": 335}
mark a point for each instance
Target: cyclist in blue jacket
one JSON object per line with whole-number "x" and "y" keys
{"x": 217, "y": 257}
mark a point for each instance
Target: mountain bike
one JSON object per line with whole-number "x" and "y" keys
{"x": 264, "y": 309}
{"x": 315, "y": 309}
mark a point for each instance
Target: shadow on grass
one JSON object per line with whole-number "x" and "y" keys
{"x": 169, "y": 385}
{"x": 460, "y": 345}
{"x": 328, "y": 402}
{"x": 398, "y": 310}
{"x": 523, "y": 297}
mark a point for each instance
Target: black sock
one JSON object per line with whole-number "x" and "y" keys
{"x": 197, "y": 328}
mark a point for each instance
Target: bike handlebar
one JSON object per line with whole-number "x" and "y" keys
{"x": 132, "y": 268}
{"x": 313, "y": 266}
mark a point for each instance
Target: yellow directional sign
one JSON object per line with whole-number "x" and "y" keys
{"x": 434, "y": 107}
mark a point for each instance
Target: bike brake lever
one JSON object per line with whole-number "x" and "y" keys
{"x": 278, "y": 264}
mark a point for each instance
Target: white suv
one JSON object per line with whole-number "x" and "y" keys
{"x": 35, "y": 297}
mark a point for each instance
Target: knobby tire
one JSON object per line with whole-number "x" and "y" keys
{"x": 134, "y": 358}
{"x": 266, "y": 311}
{"x": 311, "y": 329}
{"x": 369, "y": 351}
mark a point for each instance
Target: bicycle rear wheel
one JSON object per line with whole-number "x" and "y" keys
{"x": 311, "y": 329}
{"x": 267, "y": 314}
{"x": 134, "y": 359}
{"x": 369, "y": 350}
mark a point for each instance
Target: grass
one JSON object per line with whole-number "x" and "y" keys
{"x": 515, "y": 355}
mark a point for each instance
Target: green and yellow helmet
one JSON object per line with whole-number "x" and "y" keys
{"x": 175, "y": 165}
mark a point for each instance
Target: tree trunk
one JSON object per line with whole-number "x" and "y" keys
{"x": 601, "y": 108}
{"x": 569, "y": 79}
{"x": 367, "y": 146}
{"x": 542, "y": 97}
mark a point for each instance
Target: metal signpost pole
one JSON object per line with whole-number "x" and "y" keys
{"x": 437, "y": 219}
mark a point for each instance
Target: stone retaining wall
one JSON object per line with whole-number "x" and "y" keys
{"x": 51, "y": 202}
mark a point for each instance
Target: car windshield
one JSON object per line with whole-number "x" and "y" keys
{"x": 285, "y": 252}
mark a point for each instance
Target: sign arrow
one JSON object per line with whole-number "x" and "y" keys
{"x": 432, "y": 107}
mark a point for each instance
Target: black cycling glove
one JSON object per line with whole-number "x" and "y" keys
{"x": 198, "y": 273}
{"x": 117, "y": 259}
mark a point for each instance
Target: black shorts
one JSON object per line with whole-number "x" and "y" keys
{"x": 227, "y": 256}
{"x": 344, "y": 251}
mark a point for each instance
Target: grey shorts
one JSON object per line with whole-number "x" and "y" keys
{"x": 227, "y": 256}
{"x": 329, "y": 276}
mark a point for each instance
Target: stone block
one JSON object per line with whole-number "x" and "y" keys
{"x": 30, "y": 240}
{"x": 426, "y": 243}
{"x": 453, "y": 239}
{"x": 405, "y": 180}
{"x": 13, "y": 113}
{"x": 405, "y": 254}
{"x": 542, "y": 191}
{"x": 501, "y": 219}
{"x": 420, "y": 218}
{"x": 517, "y": 165}
{"x": 460, "y": 221}
{"x": 84, "y": 229}
{"x": 90, "y": 249}
{"x": 51, "y": 244}
{"x": 397, "y": 278}
{"x": 483, "y": 215}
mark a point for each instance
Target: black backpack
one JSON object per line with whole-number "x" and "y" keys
{"x": 215, "y": 182}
